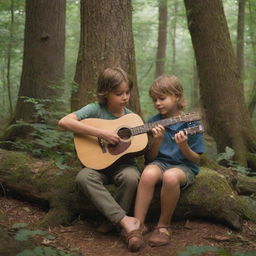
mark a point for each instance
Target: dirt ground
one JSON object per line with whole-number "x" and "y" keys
{"x": 83, "y": 239}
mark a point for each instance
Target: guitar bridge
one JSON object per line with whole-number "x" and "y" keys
{"x": 102, "y": 145}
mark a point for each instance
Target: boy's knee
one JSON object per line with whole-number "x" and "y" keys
{"x": 82, "y": 177}
{"x": 131, "y": 179}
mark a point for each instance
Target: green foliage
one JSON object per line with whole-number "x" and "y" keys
{"x": 19, "y": 225}
{"x": 24, "y": 234}
{"x": 200, "y": 250}
{"x": 43, "y": 138}
{"x": 227, "y": 158}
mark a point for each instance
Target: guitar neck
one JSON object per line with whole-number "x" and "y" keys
{"x": 164, "y": 122}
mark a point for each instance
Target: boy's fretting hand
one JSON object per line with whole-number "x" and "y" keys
{"x": 158, "y": 132}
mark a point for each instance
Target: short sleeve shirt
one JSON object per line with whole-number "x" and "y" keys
{"x": 96, "y": 110}
{"x": 170, "y": 152}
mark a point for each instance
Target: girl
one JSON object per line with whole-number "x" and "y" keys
{"x": 113, "y": 94}
{"x": 173, "y": 159}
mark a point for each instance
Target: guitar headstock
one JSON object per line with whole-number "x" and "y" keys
{"x": 189, "y": 117}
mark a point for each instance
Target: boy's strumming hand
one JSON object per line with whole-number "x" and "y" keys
{"x": 181, "y": 139}
{"x": 110, "y": 137}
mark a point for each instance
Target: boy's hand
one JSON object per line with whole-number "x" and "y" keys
{"x": 110, "y": 137}
{"x": 158, "y": 132}
{"x": 181, "y": 138}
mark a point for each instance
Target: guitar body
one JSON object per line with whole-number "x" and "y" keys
{"x": 95, "y": 153}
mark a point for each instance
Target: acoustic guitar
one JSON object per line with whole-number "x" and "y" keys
{"x": 95, "y": 153}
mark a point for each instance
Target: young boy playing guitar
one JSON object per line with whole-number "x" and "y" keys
{"x": 113, "y": 92}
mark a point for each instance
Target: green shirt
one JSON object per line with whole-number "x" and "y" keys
{"x": 96, "y": 110}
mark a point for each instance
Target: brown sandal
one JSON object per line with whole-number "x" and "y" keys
{"x": 160, "y": 236}
{"x": 134, "y": 240}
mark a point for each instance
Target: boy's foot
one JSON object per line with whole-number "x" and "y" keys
{"x": 160, "y": 236}
{"x": 132, "y": 232}
{"x": 134, "y": 240}
{"x": 105, "y": 227}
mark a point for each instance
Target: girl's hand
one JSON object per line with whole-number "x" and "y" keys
{"x": 181, "y": 138}
{"x": 158, "y": 132}
{"x": 110, "y": 137}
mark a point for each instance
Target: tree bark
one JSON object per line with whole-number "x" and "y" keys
{"x": 162, "y": 38}
{"x": 43, "y": 60}
{"x": 240, "y": 37}
{"x": 106, "y": 40}
{"x": 173, "y": 41}
{"x": 220, "y": 87}
{"x": 41, "y": 182}
{"x": 9, "y": 59}
{"x": 252, "y": 100}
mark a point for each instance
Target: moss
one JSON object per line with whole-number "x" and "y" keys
{"x": 251, "y": 159}
{"x": 248, "y": 205}
{"x": 57, "y": 216}
{"x": 211, "y": 196}
{"x": 17, "y": 166}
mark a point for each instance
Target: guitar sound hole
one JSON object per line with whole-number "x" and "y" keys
{"x": 124, "y": 133}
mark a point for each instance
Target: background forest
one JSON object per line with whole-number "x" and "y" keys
{"x": 51, "y": 55}
{"x": 179, "y": 59}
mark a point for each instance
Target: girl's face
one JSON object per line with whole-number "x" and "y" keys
{"x": 166, "y": 104}
{"x": 118, "y": 99}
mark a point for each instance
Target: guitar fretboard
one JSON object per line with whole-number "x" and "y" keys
{"x": 164, "y": 122}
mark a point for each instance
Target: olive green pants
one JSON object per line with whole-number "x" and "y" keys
{"x": 126, "y": 179}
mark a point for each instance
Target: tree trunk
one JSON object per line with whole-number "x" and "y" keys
{"x": 240, "y": 37}
{"x": 43, "y": 60}
{"x": 162, "y": 38}
{"x": 41, "y": 182}
{"x": 195, "y": 97}
{"x": 106, "y": 40}
{"x": 174, "y": 27}
{"x": 252, "y": 100}
{"x": 9, "y": 58}
{"x": 220, "y": 87}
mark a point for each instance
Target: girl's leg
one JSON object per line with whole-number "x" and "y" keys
{"x": 150, "y": 176}
{"x": 173, "y": 179}
{"x": 170, "y": 193}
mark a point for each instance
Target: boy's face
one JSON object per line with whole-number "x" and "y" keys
{"x": 166, "y": 104}
{"x": 119, "y": 98}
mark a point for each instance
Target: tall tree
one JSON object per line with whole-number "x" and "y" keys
{"x": 173, "y": 40}
{"x": 9, "y": 55}
{"x": 106, "y": 40}
{"x": 43, "y": 59}
{"x": 227, "y": 116}
{"x": 240, "y": 36}
{"x": 252, "y": 12}
{"x": 162, "y": 37}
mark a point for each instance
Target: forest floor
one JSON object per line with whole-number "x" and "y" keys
{"x": 81, "y": 238}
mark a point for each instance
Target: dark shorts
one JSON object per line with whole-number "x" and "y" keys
{"x": 188, "y": 172}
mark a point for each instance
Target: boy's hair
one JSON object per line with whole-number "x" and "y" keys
{"x": 108, "y": 80}
{"x": 168, "y": 85}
